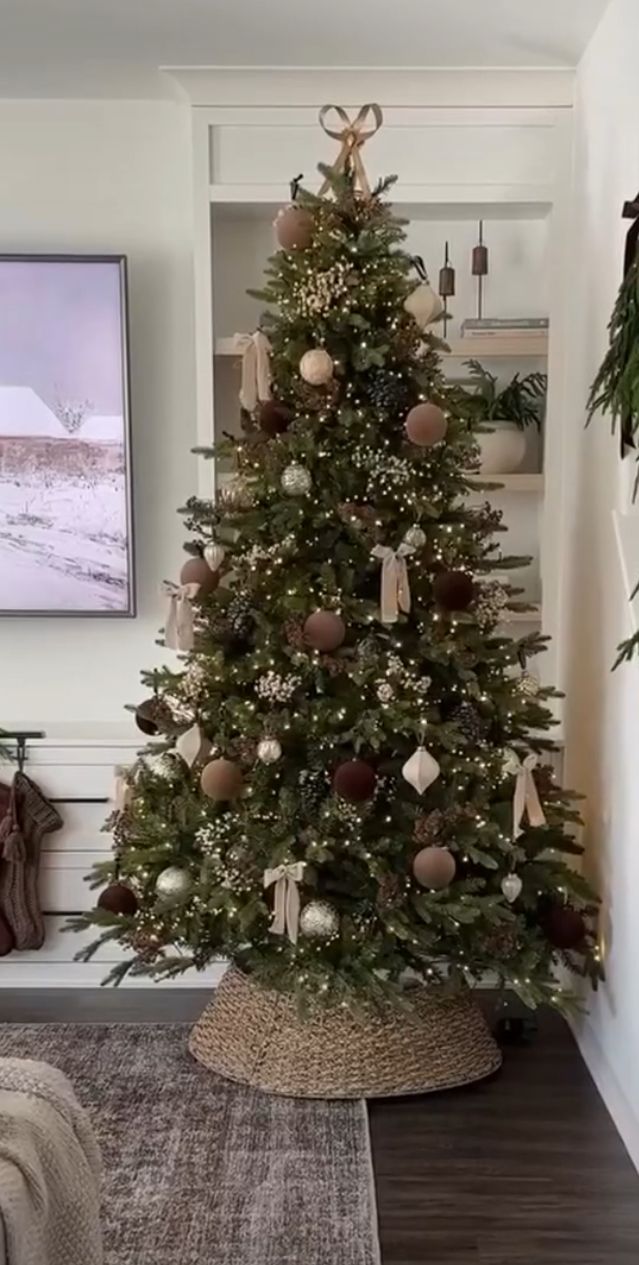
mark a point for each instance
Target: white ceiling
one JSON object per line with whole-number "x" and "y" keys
{"x": 70, "y": 48}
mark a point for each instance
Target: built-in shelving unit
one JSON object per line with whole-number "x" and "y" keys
{"x": 503, "y": 160}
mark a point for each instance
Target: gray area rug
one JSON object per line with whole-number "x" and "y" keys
{"x": 199, "y": 1171}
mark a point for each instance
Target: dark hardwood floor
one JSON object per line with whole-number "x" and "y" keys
{"x": 525, "y": 1169}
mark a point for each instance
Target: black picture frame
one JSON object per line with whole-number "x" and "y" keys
{"x": 130, "y": 611}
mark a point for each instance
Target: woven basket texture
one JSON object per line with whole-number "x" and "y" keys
{"x": 255, "y": 1036}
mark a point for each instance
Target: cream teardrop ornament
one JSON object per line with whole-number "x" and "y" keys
{"x": 214, "y": 555}
{"x": 421, "y": 770}
{"x": 511, "y": 886}
{"x": 424, "y": 305}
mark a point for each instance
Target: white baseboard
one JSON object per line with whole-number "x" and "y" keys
{"x": 623, "y": 1117}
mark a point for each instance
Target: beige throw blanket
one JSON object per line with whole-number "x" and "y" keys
{"x": 49, "y": 1169}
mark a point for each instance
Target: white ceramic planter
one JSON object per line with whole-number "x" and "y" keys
{"x": 502, "y": 449}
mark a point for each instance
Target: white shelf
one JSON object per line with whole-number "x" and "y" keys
{"x": 460, "y": 201}
{"x": 528, "y": 482}
{"x": 498, "y": 347}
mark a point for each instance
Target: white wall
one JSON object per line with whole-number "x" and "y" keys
{"x": 110, "y": 177}
{"x": 602, "y": 712}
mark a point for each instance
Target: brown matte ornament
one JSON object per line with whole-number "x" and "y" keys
{"x": 426, "y": 425}
{"x": 324, "y": 630}
{"x": 7, "y": 938}
{"x": 221, "y": 780}
{"x": 294, "y": 228}
{"x": 118, "y": 899}
{"x": 354, "y": 781}
{"x": 273, "y": 417}
{"x": 434, "y": 868}
{"x": 198, "y": 571}
{"x": 453, "y": 590}
{"x": 563, "y": 926}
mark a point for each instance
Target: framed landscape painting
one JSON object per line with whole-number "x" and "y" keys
{"x": 66, "y": 530}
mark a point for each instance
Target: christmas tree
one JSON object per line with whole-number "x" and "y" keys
{"x": 347, "y": 783}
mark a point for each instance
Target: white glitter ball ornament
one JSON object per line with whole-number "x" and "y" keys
{"x": 269, "y": 750}
{"x": 316, "y": 367}
{"x": 319, "y": 920}
{"x": 296, "y": 480}
{"x": 415, "y": 537}
{"x": 173, "y": 884}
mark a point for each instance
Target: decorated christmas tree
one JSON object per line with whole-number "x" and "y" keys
{"x": 348, "y": 783}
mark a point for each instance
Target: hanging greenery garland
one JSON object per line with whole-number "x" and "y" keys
{"x": 615, "y": 390}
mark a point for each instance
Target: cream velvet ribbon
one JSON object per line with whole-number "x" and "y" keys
{"x": 179, "y": 627}
{"x": 256, "y": 368}
{"x": 395, "y": 588}
{"x": 286, "y": 908}
{"x": 352, "y": 135}
{"x": 526, "y": 797}
{"x": 121, "y": 795}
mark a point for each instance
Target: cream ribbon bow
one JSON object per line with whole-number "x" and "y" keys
{"x": 179, "y": 627}
{"x": 121, "y": 795}
{"x": 353, "y": 135}
{"x": 395, "y": 589}
{"x": 526, "y": 796}
{"x": 256, "y": 368}
{"x": 286, "y": 907}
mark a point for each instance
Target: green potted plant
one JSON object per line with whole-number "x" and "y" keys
{"x": 508, "y": 412}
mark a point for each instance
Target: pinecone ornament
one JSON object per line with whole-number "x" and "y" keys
{"x": 388, "y": 391}
{"x": 312, "y": 789}
{"x": 501, "y": 942}
{"x": 428, "y": 829}
{"x": 469, "y": 722}
{"x": 239, "y": 615}
{"x": 388, "y": 892}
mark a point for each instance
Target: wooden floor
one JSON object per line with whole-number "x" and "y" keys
{"x": 526, "y": 1169}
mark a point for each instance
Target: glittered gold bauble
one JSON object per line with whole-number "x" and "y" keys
{"x": 426, "y": 425}
{"x": 319, "y": 920}
{"x": 354, "y": 781}
{"x": 296, "y": 480}
{"x": 316, "y": 367}
{"x": 269, "y": 750}
{"x": 152, "y": 715}
{"x": 453, "y": 590}
{"x": 198, "y": 571}
{"x": 118, "y": 899}
{"x": 221, "y": 779}
{"x": 528, "y": 685}
{"x": 324, "y": 630}
{"x": 294, "y": 228}
{"x": 434, "y": 868}
{"x": 235, "y": 495}
{"x": 273, "y": 417}
{"x": 415, "y": 537}
{"x": 173, "y": 884}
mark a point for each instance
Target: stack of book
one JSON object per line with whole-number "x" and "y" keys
{"x": 499, "y": 326}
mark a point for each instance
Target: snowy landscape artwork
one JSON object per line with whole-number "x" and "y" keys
{"x": 65, "y": 495}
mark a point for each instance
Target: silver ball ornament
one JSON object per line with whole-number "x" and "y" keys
{"x": 528, "y": 685}
{"x": 415, "y": 537}
{"x": 173, "y": 884}
{"x": 316, "y": 367}
{"x": 296, "y": 480}
{"x": 269, "y": 750}
{"x": 319, "y": 920}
